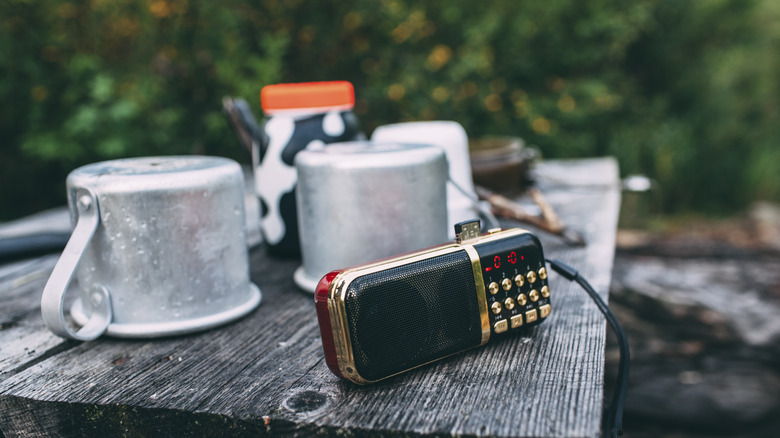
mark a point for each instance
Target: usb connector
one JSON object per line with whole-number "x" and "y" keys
{"x": 467, "y": 230}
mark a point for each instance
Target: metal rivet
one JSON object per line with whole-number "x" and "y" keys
{"x": 85, "y": 203}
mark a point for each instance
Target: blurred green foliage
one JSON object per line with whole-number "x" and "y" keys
{"x": 685, "y": 92}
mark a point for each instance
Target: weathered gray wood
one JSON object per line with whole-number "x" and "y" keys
{"x": 23, "y": 338}
{"x": 266, "y": 372}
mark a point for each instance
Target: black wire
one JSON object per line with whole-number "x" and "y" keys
{"x": 21, "y": 247}
{"x": 614, "y": 425}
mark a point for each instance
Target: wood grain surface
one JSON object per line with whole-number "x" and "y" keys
{"x": 265, "y": 374}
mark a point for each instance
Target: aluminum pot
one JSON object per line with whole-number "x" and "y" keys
{"x": 450, "y": 137}
{"x": 159, "y": 248}
{"x": 361, "y": 201}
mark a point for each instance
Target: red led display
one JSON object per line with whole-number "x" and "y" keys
{"x": 511, "y": 258}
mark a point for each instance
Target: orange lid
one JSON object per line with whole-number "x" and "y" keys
{"x": 307, "y": 95}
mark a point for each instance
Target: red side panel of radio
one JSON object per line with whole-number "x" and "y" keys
{"x": 323, "y": 316}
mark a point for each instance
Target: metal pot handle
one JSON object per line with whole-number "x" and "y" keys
{"x": 52, "y": 302}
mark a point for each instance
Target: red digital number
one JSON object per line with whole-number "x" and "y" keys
{"x": 497, "y": 261}
{"x": 512, "y": 257}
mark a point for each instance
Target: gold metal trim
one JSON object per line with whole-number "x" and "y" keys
{"x": 341, "y": 338}
{"x": 479, "y": 286}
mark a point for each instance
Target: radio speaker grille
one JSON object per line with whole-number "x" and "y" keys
{"x": 406, "y": 316}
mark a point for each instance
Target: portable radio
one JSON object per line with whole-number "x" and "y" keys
{"x": 386, "y": 317}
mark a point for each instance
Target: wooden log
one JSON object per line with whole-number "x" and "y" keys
{"x": 265, "y": 374}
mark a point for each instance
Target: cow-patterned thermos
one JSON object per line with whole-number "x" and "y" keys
{"x": 299, "y": 115}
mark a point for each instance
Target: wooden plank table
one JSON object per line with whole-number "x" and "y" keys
{"x": 265, "y": 374}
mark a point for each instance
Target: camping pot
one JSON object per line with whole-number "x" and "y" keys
{"x": 158, "y": 248}
{"x": 450, "y": 137}
{"x": 361, "y": 201}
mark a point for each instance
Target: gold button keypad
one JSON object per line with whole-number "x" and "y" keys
{"x": 522, "y": 299}
{"x": 509, "y": 303}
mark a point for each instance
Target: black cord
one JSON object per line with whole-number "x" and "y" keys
{"x": 614, "y": 425}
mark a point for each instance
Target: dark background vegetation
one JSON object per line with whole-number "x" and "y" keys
{"x": 686, "y": 92}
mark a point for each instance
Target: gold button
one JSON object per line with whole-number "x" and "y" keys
{"x": 516, "y": 321}
{"x": 522, "y": 299}
{"x": 531, "y": 276}
{"x": 493, "y": 288}
{"x": 494, "y": 230}
{"x": 509, "y": 303}
{"x": 506, "y": 284}
{"x": 543, "y": 273}
{"x": 544, "y": 310}
{"x": 533, "y": 295}
{"x": 519, "y": 280}
{"x": 545, "y": 291}
{"x": 496, "y": 308}
{"x": 500, "y": 326}
{"x": 530, "y": 316}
